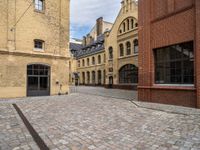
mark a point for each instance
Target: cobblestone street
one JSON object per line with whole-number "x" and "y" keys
{"x": 85, "y": 122}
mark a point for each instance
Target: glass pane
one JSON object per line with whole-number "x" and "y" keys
{"x": 33, "y": 83}
{"x": 174, "y": 64}
{"x": 44, "y": 83}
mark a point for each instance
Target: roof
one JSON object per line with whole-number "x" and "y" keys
{"x": 92, "y": 48}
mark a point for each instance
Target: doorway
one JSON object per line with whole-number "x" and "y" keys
{"x": 38, "y": 80}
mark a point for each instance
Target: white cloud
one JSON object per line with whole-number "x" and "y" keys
{"x": 85, "y": 12}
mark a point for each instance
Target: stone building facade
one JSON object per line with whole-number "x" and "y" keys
{"x": 121, "y": 44}
{"x": 90, "y": 56}
{"x": 97, "y": 65}
{"x": 169, "y": 47}
{"x": 34, "y": 49}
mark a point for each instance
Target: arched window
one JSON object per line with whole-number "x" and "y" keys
{"x": 121, "y": 50}
{"x": 88, "y": 61}
{"x": 124, "y": 27}
{"x": 83, "y": 77}
{"x": 135, "y": 43}
{"x": 88, "y": 77}
{"x": 132, "y": 23}
{"x": 128, "y": 74}
{"x": 128, "y": 48}
{"x": 128, "y": 24}
{"x": 99, "y": 59}
{"x": 99, "y": 77}
{"x": 93, "y": 60}
{"x": 83, "y": 62}
{"x": 110, "y": 53}
{"x": 93, "y": 77}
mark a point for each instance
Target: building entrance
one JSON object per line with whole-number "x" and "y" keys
{"x": 38, "y": 80}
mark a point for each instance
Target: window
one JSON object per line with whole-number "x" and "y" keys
{"x": 39, "y": 44}
{"x": 79, "y": 63}
{"x": 135, "y": 43}
{"x": 128, "y": 24}
{"x": 136, "y": 24}
{"x": 93, "y": 77}
{"x": 174, "y": 64}
{"x": 88, "y": 61}
{"x": 83, "y": 62}
{"x": 83, "y": 77}
{"x": 121, "y": 50}
{"x": 88, "y": 77}
{"x": 99, "y": 59}
{"x": 110, "y": 53}
{"x": 124, "y": 27}
{"x": 93, "y": 60}
{"x": 128, "y": 74}
{"x": 132, "y": 23}
{"x": 104, "y": 57}
{"x": 39, "y": 5}
{"x": 99, "y": 77}
{"x": 128, "y": 48}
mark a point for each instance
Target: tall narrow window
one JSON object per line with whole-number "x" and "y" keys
{"x": 79, "y": 63}
{"x": 175, "y": 64}
{"x": 135, "y": 43}
{"x": 39, "y": 44}
{"x": 110, "y": 53}
{"x": 39, "y": 5}
{"x": 124, "y": 27}
{"x": 93, "y": 60}
{"x": 121, "y": 50}
{"x": 128, "y": 48}
{"x": 99, "y": 59}
{"x": 88, "y": 61}
{"x": 128, "y": 24}
{"x": 132, "y": 23}
{"x": 83, "y": 62}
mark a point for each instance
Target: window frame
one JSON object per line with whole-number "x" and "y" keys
{"x": 171, "y": 66}
{"x": 37, "y": 5}
{"x": 128, "y": 48}
{"x": 39, "y": 42}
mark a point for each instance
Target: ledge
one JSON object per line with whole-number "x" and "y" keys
{"x": 166, "y": 87}
{"x": 32, "y": 54}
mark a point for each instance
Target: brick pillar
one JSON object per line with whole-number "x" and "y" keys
{"x": 144, "y": 59}
{"x": 197, "y": 46}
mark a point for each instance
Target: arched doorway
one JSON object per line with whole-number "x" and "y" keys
{"x": 110, "y": 82}
{"x": 38, "y": 80}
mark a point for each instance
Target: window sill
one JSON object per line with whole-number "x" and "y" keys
{"x": 189, "y": 87}
{"x": 38, "y": 50}
{"x": 127, "y": 56}
{"x": 39, "y": 11}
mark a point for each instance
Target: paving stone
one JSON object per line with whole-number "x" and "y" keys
{"x": 82, "y": 121}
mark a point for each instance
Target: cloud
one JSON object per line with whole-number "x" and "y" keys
{"x": 85, "y": 12}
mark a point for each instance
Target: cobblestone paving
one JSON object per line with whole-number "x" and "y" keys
{"x": 100, "y": 91}
{"x": 86, "y": 122}
{"x": 13, "y": 133}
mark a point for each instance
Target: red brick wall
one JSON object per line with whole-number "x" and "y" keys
{"x": 162, "y": 23}
{"x": 197, "y": 36}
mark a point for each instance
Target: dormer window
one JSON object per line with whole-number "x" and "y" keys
{"x": 39, "y": 44}
{"x": 39, "y": 5}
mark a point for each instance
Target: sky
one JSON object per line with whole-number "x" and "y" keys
{"x": 85, "y": 12}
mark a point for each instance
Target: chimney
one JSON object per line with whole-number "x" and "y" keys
{"x": 99, "y": 26}
{"x": 84, "y": 41}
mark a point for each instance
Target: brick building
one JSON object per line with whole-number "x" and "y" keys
{"x": 169, "y": 51}
{"x": 34, "y": 53}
